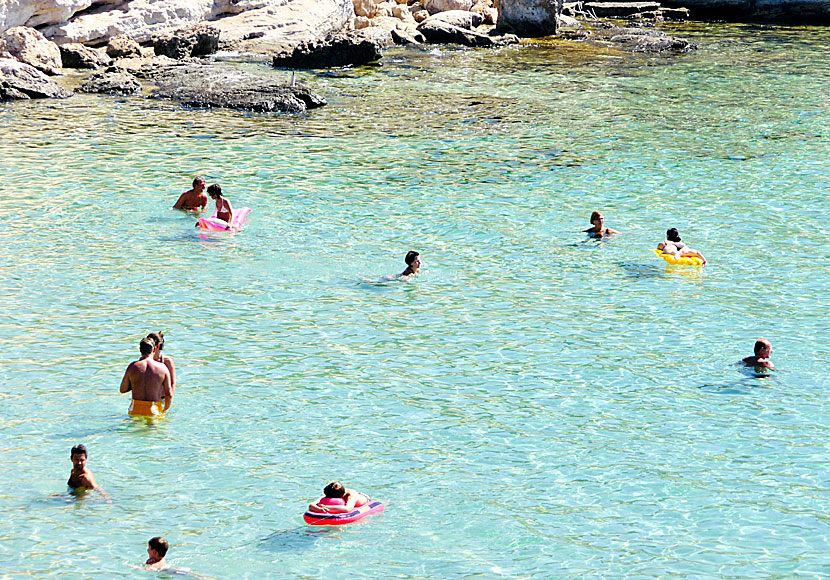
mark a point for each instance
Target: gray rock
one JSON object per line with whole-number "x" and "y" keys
{"x": 344, "y": 50}
{"x": 79, "y": 56}
{"x": 30, "y": 46}
{"x": 647, "y": 40}
{"x": 528, "y": 18}
{"x": 404, "y": 37}
{"x": 440, "y": 32}
{"x": 675, "y": 13}
{"x": 197, "y": 85}
{"x": 200, "y": 40}
{"x": 459, "y": 18}
{"x": 123, "y": 47}
{"x": 619, "y": 9}
{"x": 112, "y": 82}
{"x": 22, "y": 81}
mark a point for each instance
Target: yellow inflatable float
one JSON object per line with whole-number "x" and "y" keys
{"x": 681, "y": 261}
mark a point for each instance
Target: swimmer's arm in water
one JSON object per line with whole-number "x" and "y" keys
{"x": 610, "y": 231}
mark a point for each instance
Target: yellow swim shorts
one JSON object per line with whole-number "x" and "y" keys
{"x": 145, "y": 409}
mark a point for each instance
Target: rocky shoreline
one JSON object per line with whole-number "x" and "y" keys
{"x": 177, "y": 64}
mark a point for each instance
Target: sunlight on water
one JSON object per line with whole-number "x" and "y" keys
{"x": 535, "y": 405}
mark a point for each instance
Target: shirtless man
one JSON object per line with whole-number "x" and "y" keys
{"x": 193, "y": 199}
{"x": 336, "y": 490}
{"x": 149, "y": 382}
{"x": 81, "y": 479}
{"x": 763, "y": 350}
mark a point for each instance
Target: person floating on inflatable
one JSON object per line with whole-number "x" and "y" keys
{"x": 673, "y": 251}
{"x": 763, "y": 350}
{"x": 598, "y": 229}
{"x": 340, "y": 505}
{"x": 224, "y": 218}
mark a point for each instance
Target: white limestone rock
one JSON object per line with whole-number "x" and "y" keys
{"x": 365, "y": 8}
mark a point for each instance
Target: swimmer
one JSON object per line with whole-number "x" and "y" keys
{"x": 335, "y": 490}
{"x": 672, "y": 245}
{"x": 157, "y": 549}
{"x": 193, "y": 199}
{"x": 158, "y": 339}
{"x": 413, "y": 266}
{"x": 224, "y": 211}
{"x": 597, "y": 229}
{"x": 81, "y": 478}
{"x": 149, "y": 382}
{"x": 763, "y": 350}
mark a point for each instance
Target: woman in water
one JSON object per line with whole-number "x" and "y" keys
{"x": 413, "y": 266}
{"x": 598, "y": 229}
{"x": 672, "y": 245}
{"x": 224, "y": 211}
{"x": 158, "y": 341}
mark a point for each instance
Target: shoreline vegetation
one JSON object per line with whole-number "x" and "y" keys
{"x": 179, "y": 57}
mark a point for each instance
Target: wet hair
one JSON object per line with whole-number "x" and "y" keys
{"x": 159, "y": 544}
{"x": 158, "y": 338}
{"x": 673, "y": 235}
{"x": 197, "y": 179}
{"x": 410, "y": 257}
{"x": 334, "y": 489}
{"x": 215, "y": 189}
{"x": 596, "y": 215}
{"x": 79, "y": 449}
{"x": 146, "y": 345}
{"x": 760, "y": 344}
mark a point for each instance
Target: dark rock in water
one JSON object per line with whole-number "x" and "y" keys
{"x": 675, "y": 13}
{"x": 404, "y": 37}
{"x": 112, "y": 82}
{"x": 22, "y": 81}
{"x": 528, "y": 18}
{"x": 344, "y": 50}
{"x": 80, "y": 56}
{"x": 459, "y": 18}
{"x": 199, "y": 85}
{"x": 441, "y": 32}
{"x": 198, "y": 41}
{"x": 619, "y": 9}
{"x": 122, "y": 46}
{"x": 648, "y": 40}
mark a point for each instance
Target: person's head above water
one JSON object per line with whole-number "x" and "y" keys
{"x": 159, "y": 546}
{"x": 763, "y": 348}
{"x": 215, "y": 191}
{"x": 79, "y": 449}
{"x": 673, "y": 235}
{"x": 146, "y": 346}
{"x": 597, "y": 217}
{"x": 334, "y": 489}
{"x": 158, "y": 338}
{"x": 411, "y": 256}
{"x": 199, "y": 182}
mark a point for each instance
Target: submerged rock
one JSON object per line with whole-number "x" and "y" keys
{"x": 22, "y": 81}
{"x": 112, "y": 82}
{"x": 345, "y": 50}
{"x": 31, "y": 47}
{"x": 79, "y": 56}
{"x": 198, "y": 85}
{"x": 647, "y": 40}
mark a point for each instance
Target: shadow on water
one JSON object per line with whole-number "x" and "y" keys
{"x": 298, "y": 539}
{"x": 751, "y": 379}
{"x": 635, "y": 270}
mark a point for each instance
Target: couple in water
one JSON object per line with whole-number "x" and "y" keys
{"x": 151, "y": 379}
{"x": 196, "y": 200}
{"x": 671, "y": 245}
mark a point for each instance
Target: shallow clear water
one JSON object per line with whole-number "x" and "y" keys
{"x": 535, "y": 405}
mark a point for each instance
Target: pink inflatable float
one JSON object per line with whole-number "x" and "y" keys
{"x": 214, "y": 224}
{"x": 318, "y": 519}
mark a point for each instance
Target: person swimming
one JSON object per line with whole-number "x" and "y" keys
{"x": 413, "y": 266}
{"x": 81, "y": 478}
{"x": 760, "y": 360}
{"x": 335, "y": 490}
{"x": 672, "y": 245}
{"x": 598, "y": 229}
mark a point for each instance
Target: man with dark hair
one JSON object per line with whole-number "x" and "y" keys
{"x": 193, "y": 199}
{"x": 149, "y": 381}
{"x": 157, "y": 549}
{"x": 80, "y": 478}
{"x": 763, "y": 350}
{"x": 413, "y": 266}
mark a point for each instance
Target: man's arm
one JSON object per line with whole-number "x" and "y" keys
{"x": 180, "y": 202}
{"x": 168, "y": 391}
{"x": 125, "y": 382}
{"x": 91, "y": 483}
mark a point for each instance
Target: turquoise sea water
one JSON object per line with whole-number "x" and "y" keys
{"x": 534, "y": 405}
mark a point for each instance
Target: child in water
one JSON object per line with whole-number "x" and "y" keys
{"x": 335, "y": 490}
{"x": 224, "y": 211}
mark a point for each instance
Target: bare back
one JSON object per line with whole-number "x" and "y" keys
{"x": 148, "y": 380}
